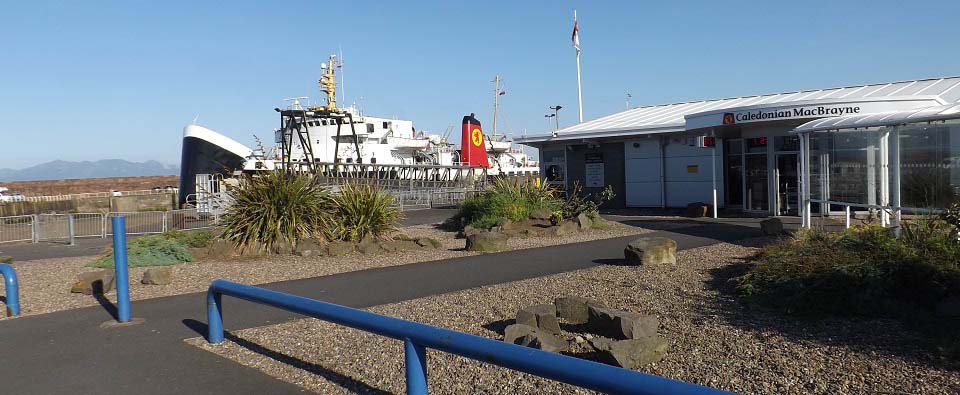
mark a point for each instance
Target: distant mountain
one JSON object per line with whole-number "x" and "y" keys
{"x": 59, "y": 169}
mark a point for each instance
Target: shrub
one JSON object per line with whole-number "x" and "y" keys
{"x": 275, "y": 208}
{"x": 508, "y": 198}
{"x": 153, "y": 250}
{"x": 578, "y": 202}
{"x": 360, "y": 211}
{"x": 192, "y": 239}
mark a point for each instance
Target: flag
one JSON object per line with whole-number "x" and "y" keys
{"x": 502, "y": 93}
{"x": 576, "y": 36}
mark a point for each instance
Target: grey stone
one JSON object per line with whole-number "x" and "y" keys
{"x": 564, "y": 228}
{"x": 529, "y": 336}
{"x": 632, "y": 353}
{"x": 948, "y": 307}
{"x": 621, "y": 324}
{"x": 697, "y": 210}
{"x": 584, "y": 222}
{"x": 95, "y": 282}
{"x": 6, "y": 259}
{"x": 308, "y": 247}
{"x": 542, "y": 316}
{"x": 158, "y": 276}
{"x": 368, "y": 246}
{"x": 399, "y": 245}
{"x": 340, "y": 248}
{"x": 505, "y": 224}
{"x": 771, "y": 227}
{"x": 487, "y": 242}
{"x": 651, "y": 251}
{"x": 575, "y": 309}
{"x": 428, "y": 242}
{"x": 470, "y": 230}
{"x": 402, "y": 236}
{"x": 220, "y": 248}
{"x": 541, "y": 213}
{"x": 284, "y": 248}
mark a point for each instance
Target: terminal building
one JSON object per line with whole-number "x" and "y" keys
{"x": 886, "y": 147}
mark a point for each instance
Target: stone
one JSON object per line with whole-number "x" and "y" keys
{"x": 541, "y": 214}
{"x": 470, "y": 230}
{"x": 340, "y": 248}
{"x": 368, "y": 246}
{"x": 505, "y": 224}
{"x": 487, "y": 242}
{"x": 771, "y": 227}
{"x": 564, "y": 228}
{"x": 697, "y": 210}
{"x": 948, "y": 307}
{"x": 308, "y": 247}
{"x": 428, "y": 242}
{"x": 651, "y": 251}
{"x": 542, "y": 316}
{"x": 402, "y": 236}
{"x": 220, "y": 248}
{"x": 529, "y": 336}
{"x": 621, "y": 324}
{"x": 575, "y": 309}
{"x": 95, "y": 282}
{"x": 584, "y": 222}
{"x": 284, "y": 248}
{"x": 399, "y": 245}
{"x": 6, "y": 259}
{"x": 158, "y": 276}
{"x": 632, "y": 353}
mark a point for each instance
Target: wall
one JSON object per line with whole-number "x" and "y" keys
{"x": 613, "y": 169}
{"x": 164, "y": 201}
{"x": 688, "y": 173}
{"x": 87, "y": 185}
{"x": 642, "y": 172}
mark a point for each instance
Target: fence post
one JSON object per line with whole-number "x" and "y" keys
{"x": 12, "y": 289}
{"x": 415, "y": 357}
{"x": 214, "y": 317}
{"x": 70, "y": 228}
{"x": 35, "y": 228}
{"x": 120, "y": 267}
{"x": 103, "y": 225}
{"x": 164, "y": 221}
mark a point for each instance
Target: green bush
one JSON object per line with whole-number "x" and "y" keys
{"x": 275, "y": 208}
{"x": 153, "y": 250}
{"x": 360, "y": 211}
{"x": 860, "y": 271}
{"x": 192, "y": 239}
{"x": 509, "y": 198}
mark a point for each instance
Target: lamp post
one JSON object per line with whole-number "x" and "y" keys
{"x": 556, "y": 117}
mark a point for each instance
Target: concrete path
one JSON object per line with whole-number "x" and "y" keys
{"x": 68, "y": 352}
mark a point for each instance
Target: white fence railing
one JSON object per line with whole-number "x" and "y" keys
{"x": 418, "y": 199}
{"x": 68, "y": 227}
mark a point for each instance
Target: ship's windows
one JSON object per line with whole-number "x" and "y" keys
{"x": 369, "y": 128}
{"x": 373, "y": 160}
{"x": 324, "y": 122}
{"x": 385, "y": 125}
{"x": 349, "y": 160}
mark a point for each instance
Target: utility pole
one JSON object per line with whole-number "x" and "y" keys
{"x": 496, "y": 103}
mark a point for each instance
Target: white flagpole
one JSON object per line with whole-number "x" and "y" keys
{"x": 579, "y": 94}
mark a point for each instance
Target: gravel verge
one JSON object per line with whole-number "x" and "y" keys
{"x": 713, "y": 340}
{"x": 45, "y": 283}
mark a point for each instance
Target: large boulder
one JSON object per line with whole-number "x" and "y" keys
{"x": 697, "y": 210}
{"x": 621, "y": 324}
{"x": 651, "y": 251}
{"x": 96, "y": 282}
{"x": 158, "y": 276}
{"x": 575, "y": 309}
{"x": 541, "y": 214}
{"x": 308, "y": 247}
{"x": 487, "y": 242}
{"x": 632, "y": 353}
{"x": 584, "y": 222}
{"x": 542, "y": 316}
{"x": 529, "y": 336}
{"x": 771, "y": 227}
{"x": 563, "y": 228}
{"x": 340, "y": 248}
{"x": 369, "y": 246}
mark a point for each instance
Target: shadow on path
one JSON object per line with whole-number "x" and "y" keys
{"x": 107, "y": 305}
{"x": 347, "y": 383}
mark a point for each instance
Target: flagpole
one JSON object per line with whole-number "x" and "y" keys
{"x": 579, "y": 94}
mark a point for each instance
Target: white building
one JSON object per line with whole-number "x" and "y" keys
{"x": 651, "y": 157}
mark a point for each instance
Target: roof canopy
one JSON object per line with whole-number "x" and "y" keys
{"x": 935, "y": 113}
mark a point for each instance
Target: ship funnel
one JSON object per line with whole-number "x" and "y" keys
{"x": 473, "y": 150}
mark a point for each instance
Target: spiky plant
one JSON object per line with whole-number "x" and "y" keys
{"x": 274, "y": 208}
{"x": 361, "y": 210}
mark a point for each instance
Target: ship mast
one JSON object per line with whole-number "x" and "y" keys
{"x": 496, "y": 104}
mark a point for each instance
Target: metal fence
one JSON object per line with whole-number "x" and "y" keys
{"x": 68, "y": 227}
{"x": 418, "y": 199}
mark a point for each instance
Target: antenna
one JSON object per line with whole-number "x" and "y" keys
{"x": 194, "y": 122}
{"x": 343, "y": 91}
{"x": 296, "y": 102}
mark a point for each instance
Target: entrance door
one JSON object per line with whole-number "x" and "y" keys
{"x": 787, "y": 182}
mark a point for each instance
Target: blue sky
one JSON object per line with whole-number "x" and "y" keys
{"x": 87, "y": 80}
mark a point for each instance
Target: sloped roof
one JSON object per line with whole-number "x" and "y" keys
{"x": 949, "y": 111}
{"x": 670, "y": 117}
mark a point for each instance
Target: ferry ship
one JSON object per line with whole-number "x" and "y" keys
{"x": 368, "y": 140}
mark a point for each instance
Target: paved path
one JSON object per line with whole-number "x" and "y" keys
{"x": 68, "y": 352}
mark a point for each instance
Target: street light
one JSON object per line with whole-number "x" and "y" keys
{"x": 556, "y": 118}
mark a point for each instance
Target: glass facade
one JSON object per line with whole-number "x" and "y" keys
{"x": 929, "y": 164}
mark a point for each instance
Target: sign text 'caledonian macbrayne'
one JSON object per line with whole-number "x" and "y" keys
{"x": 798, "y": 112}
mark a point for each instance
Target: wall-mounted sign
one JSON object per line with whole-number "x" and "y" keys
{"x": 594, "y": 170}
{"x": 693, "y": 168}
{"x": 731, "y": 118}
{"x": 800, "y": 111}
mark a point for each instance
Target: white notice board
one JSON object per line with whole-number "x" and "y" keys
{"x": 594, "y": 175}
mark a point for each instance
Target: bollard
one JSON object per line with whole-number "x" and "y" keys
{"x": 415, "y": 357}
{"x": 120, "y": 266}
{"x": 12, "y": 289}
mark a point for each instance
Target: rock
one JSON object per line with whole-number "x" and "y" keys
{"x": 308, "y": 247}
{"x": 575, "y": 309}
{"x": 579, "y": 339}
{"x": 505, "y": 224}
{"x": 368, "y": 246}
{"x": 584, "y": 222}
{"x": 771, "y": 227}
{"x": 541, "y": 214}
{"x": 220, "y": 248}
{"x": 632, "y": 353}
{"x": 428, "y": 242}
{"x": 158, "y": 276}
{"x": 6, "y": 259}
{"x": 340, "y": 248}
{"x": 402, "y": 236}
{"x": 621, "y": 324}
{"x": 697, "y": 210}
{"x": 529, "y": 336}
{"x": 487, "y": 242}
{"x": 542, "y": 316}
{"x": 199, "y": 254}
{"x": 948, "y": 307}
{"x": 399, "y": 245}
{"x": 95, "y": 282}
{"x": 651, "y": 251}
{"x": 470, "y": 230}
{"x": 284, "y": 248}
{"x": 564, "y": 228}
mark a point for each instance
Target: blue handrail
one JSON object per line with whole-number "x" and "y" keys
{"x": 417, "y": 337}
{"x": 12, "y": 289}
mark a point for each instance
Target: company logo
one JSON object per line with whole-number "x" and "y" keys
{"x": 728, "y": 118}
{"x": 477, "y": 137}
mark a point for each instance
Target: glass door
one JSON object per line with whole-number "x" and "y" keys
{"x": 787, "y": 182}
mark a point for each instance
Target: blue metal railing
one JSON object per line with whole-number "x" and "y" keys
{"x": 417, "y": 337}
{"x": 12, "y": 289}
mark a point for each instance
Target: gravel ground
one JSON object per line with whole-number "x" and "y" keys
{"x": 713, "y": 340}
{"x": 45, "y": 283}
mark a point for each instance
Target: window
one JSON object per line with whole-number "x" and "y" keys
{"x": 386, "y": 125}
{"x": 929, "y": 165}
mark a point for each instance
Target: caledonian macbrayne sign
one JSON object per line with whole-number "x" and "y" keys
{"x": 731, "y": 118}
